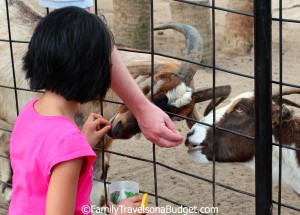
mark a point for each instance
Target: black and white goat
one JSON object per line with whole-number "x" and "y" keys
{"x": 239, "y": 116}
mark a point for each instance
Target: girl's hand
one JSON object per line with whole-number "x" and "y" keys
{"x": 133, "y": 202}
{"x": 94, "y": 128}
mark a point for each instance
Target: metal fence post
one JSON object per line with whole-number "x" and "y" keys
{"x": 263, "y": 105}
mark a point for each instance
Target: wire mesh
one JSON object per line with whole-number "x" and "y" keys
{"x": 264, "y": 199}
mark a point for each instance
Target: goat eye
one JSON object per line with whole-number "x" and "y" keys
{"x": 238, "y": 110}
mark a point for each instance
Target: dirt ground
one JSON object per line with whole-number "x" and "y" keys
{"x": 188, "y": 190}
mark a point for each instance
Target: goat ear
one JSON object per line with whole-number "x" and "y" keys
{"x": 286, "y": 115}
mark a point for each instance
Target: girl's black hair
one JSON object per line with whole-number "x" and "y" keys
{"x": 70, "y": 54}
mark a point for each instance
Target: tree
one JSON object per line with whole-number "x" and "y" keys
{"x": 198, "y": 17}
{"x": 132, "y": 23}
{"x": 239, "y": 28}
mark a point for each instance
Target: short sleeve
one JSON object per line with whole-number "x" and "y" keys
{"x": 72, "y": 146}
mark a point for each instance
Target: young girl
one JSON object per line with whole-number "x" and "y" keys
{"x": 155, "y": 124}
{"x": 68, "y": 56}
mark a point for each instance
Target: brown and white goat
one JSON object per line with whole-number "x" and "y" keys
{"x": 173, "y": 88}
{"x": 239, "y": 116}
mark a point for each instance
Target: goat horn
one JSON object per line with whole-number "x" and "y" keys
{"x": 194, "y": 49}
{"x": 143, "y": 68}
{"x": 204, "y": 94}
{"x": 287, "y": 102}
{"x": 140, "y": 63}
{"x": 286, "y": 91}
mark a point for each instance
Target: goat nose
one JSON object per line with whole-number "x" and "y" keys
{"x": 186, "y": 143}
{"x": 110, "y": 133}
{"x": 190, "y": 133}
{"x": 115, "y": 130}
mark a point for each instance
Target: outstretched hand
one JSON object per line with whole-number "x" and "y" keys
{"x": 157, "y": 127}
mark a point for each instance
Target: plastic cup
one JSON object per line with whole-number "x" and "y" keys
{"x": 121, "y": 190}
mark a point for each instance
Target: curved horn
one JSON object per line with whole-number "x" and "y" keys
{"x": 286, "y": 91}
{"x": 204, "y": 94}
{"x": 194, "y": 49}
{"x": 140, "y": 63}
{"x": 287, "y": 101}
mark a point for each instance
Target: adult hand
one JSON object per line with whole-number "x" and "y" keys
{"x": 157, "y": 127}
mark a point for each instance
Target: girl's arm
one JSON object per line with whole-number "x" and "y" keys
{"x": 61, "y": 196}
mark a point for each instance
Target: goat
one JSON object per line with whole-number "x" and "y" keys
{"x": 173, "y": 88}
{"x": 138, "y": 65}
{"x": 239, "y": 116}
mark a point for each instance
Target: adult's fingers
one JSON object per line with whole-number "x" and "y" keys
{"x": 168, "y": 138}
{"x": 163, "y": 143}
{"x": 170, "y": 125}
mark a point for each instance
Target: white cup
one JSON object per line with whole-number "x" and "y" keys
{"x": 121, "y": 190}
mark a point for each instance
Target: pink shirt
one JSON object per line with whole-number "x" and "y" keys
{"x": 37, "y": 144}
